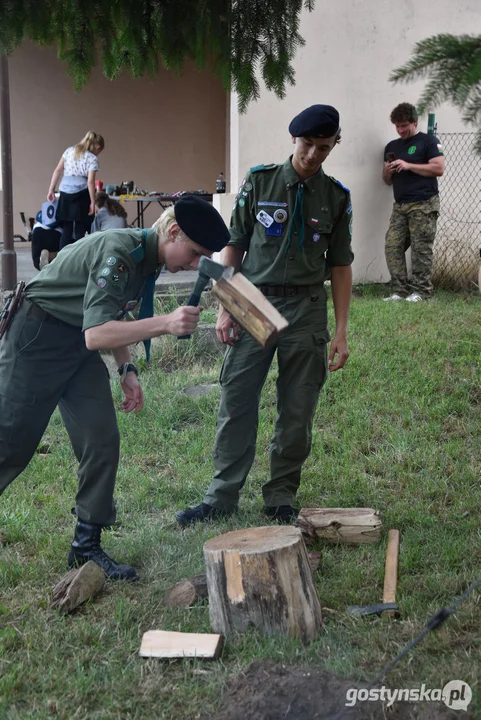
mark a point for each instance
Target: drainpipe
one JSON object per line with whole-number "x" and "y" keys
{"x": 9, "y": 257}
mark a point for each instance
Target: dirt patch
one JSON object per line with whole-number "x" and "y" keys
{"x": 266, "y": 691}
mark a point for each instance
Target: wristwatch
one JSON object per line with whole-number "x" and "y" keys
{"x": 126, "y": 368}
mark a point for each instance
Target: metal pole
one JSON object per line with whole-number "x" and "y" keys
{"x": 9, "y": 257}
{"x": 431, "y": 121}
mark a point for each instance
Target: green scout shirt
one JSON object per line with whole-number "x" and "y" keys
{"x": 271, "y": 259}
{"x": 92, "y": 280}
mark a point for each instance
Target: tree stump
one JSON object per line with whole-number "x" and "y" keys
{"x": 261, "y": 577}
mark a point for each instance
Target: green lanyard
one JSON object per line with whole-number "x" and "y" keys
{"x": 297, "y": 219}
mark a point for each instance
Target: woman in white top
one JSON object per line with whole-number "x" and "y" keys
{"x": 78, "y": 165}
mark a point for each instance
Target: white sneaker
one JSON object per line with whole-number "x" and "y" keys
{"x": 414, "y": 297}
{"x": 393, "y": 297}
{"x": 43, "y": 259}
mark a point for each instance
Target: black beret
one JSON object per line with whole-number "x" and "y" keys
{"x": 315, "y": 121}
{"x": 201, "y": 222}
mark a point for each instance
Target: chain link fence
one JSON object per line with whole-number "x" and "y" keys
{"x": 458, "y": 236}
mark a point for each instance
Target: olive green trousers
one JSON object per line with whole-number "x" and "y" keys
{"x": 302, "y": 362}
{"x": 45, "y": 363}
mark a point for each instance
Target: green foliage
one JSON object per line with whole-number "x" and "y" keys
{"x": 240, "y": 37}
{"x": 452, "y": 65}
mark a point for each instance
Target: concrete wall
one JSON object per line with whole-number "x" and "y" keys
{"x": 166, "y": 134}
{"x": 350, "y": 51}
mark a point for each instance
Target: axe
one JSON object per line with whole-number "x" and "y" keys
{"x": 208, "y": 270}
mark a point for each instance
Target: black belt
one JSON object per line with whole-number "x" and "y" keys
{"x": 284, "y": 290}
{"x": 37, "y": 312}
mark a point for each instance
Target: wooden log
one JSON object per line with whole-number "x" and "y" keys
{"x": 250, "y": 308}
{"x": 186, "y": 592}
{"x": 77, "y": 586}
{"x": 164, "y": 644}
{"x": 343, "y": 525}
{"x": 261, "y": 577}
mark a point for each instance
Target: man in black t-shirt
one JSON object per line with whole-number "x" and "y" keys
{"x": 412, "y": 165}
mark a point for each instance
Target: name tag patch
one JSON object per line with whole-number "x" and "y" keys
{"x": 264, "y": 218}
{"x": 271, "y": 203}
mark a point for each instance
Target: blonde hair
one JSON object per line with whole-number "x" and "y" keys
{"x": 89, "y": 143}
{"x": 163, "y": 224}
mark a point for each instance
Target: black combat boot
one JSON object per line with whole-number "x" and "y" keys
{"x": 202, "y": 513}
{"x": 283, "y": 514}
{"x": 86, "y": 546}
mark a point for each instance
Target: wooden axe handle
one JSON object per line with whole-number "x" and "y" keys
{"x": 390, "y": 573}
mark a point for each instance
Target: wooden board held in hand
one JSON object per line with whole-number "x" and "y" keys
{"x": 345, "y": 525}
{"x": 164, "y": 644}
{"x": 250, "y": 308}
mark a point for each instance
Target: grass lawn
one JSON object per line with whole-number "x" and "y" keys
{"x": 398, "y": 430}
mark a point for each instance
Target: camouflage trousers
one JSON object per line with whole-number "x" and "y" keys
{"x": 412, "y": 224}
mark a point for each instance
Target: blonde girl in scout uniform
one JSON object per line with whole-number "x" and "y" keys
{"x": 290, "y": 224}
{"x": 50, "y": 356}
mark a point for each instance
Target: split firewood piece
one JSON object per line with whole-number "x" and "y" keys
{"x": 186, "y": 592}
{"x": 77, "y": 586}
{"x": 345, "y": 525}
{"x": 260, "y": 577}
{"x": 164, "y": 644}
{"x": 248, "y": 306}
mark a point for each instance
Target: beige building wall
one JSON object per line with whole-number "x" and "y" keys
{"x": 350, "y": 51}
{"x": 166, "y": 134}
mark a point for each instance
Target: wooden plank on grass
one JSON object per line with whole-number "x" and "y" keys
{"x": 165, "y": 644}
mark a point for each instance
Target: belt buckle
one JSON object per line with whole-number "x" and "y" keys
{"x": 290, "y": 291}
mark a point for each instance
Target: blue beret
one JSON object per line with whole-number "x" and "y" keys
{"x": 201, "y": 222}
{"x": 315, "y": 121}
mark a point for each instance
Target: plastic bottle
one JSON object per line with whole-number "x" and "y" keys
{"x": 220, "y": 184}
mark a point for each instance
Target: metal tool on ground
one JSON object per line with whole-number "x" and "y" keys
{"x": 208, "y": 270}
{"x": 388, "y": 605}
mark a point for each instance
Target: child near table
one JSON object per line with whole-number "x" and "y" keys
{"x": 109, "y": 213}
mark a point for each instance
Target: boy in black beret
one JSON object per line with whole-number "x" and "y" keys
{"x": 291, "y": 223}
{"x": 50, "y": 357}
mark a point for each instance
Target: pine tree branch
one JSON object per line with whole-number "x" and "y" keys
{"x": 452, "y": 66}
{"x": 240, "y": 38}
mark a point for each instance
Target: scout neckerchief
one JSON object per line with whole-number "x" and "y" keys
{"x": 147, "y": 307}
{"x": 147, "y": 292}
{"x": 297, "y": 218}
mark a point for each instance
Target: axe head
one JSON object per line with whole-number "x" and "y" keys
{"x": 365, "y": 610}
{"x": 213, "y": 270}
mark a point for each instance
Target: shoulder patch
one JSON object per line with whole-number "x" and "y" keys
{"x": 338, "y": 182}
{"x": 257, "y": 168}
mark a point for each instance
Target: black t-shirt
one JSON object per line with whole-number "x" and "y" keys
{"x": 419, "y": 149}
